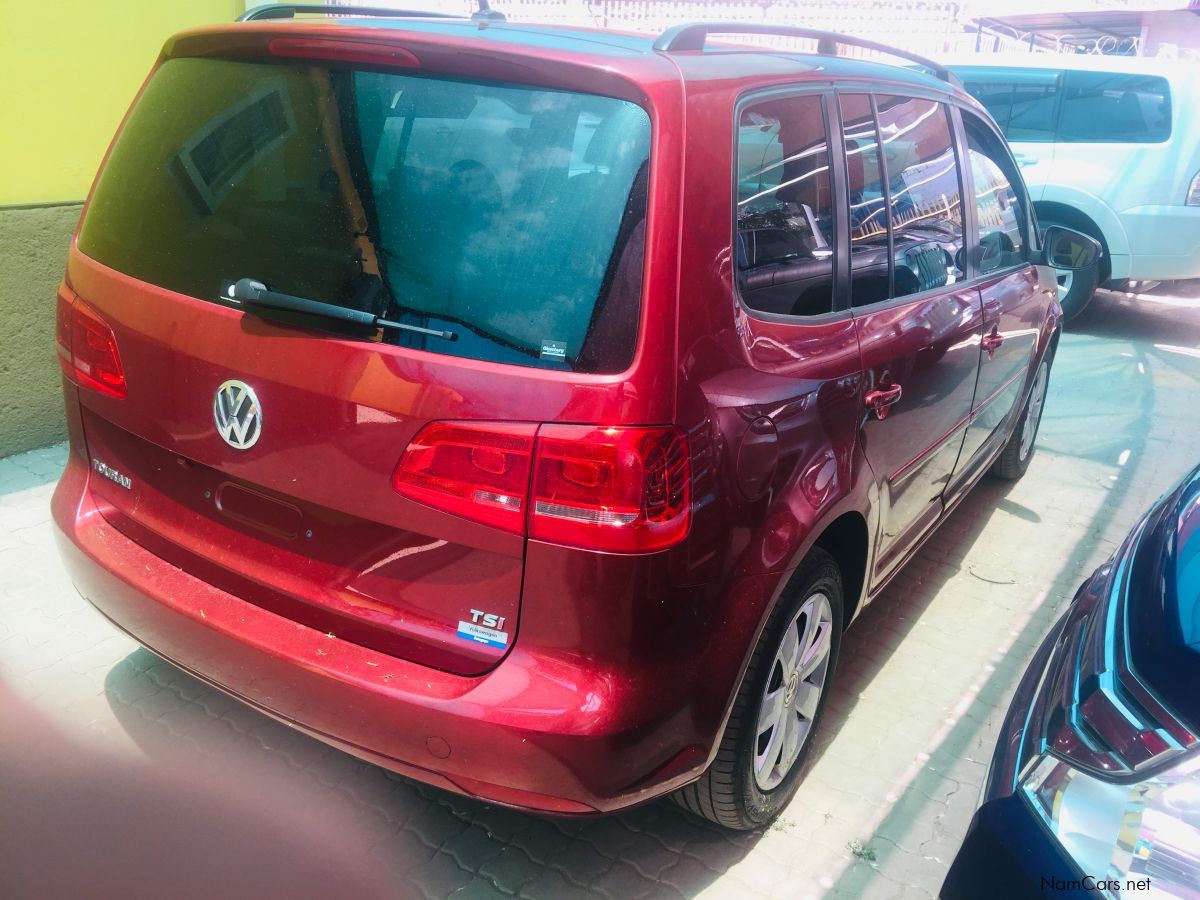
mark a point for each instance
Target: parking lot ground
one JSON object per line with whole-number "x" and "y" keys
{"x": 122, "y": 774}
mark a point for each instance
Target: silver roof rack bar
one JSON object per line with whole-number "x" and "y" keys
{"x": 693, "y": 36}
{"x": 290, "y": 10}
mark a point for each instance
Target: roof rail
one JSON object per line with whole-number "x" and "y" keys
{"x": 289, "y": 11}
{"x": 693, "y": 36}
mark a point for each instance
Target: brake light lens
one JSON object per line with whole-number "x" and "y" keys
{"x": 87, "y": 348}
{"x": 344, "y": 51}
{"x": 62, "y": 331}
{"x": 1193, "y": 194}
{"x": 618, "y": 489}
{"x": 476, "y": 470}
{"x": 623, "y": 490}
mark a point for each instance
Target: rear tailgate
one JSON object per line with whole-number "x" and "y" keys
{"x": 261, "y": 174}
{"x": 305, "y": 522}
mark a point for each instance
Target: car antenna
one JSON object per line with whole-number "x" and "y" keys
{"x": 486, "y": 15}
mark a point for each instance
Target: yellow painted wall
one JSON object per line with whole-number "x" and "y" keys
{"x": 68, "y": 70}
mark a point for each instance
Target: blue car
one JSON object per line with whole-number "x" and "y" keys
{"x": 1094, "y": 788}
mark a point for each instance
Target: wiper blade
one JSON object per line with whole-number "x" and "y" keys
{"x": 254, "y": 293}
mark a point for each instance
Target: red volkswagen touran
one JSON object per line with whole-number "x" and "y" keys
{"x": 528, "y": 409}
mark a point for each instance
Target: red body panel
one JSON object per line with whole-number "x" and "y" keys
{"x": 1018, "y": 312}
{"x": 930, "y": 348}
{"x": 293, "y": 576}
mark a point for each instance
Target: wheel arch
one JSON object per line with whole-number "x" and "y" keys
{"x": 1052, "y": 348}
{"x": 847, "y": 540}
{"x": 1105, "y": 227}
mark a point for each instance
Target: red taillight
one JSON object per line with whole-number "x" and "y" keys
{"x": 87, "y": 348}
{"x": 479, "y": 471}
{"x": 62, "y": 331}
{"x": 617, "y": 489}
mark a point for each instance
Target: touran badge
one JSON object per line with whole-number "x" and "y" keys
{"x": 237, "y": 414}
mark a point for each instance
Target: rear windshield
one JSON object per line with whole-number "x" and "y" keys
{"x": 511, "y": 216}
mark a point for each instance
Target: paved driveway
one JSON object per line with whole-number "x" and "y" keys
{"x": 119, "y": 771}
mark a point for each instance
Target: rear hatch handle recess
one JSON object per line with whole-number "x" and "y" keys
{"x": 251, "y": 293}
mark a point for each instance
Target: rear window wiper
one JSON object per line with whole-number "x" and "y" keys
{"x": 253, "y": 293}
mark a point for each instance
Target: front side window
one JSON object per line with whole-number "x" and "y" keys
{"x": 996, "y": 97}
{"x": 923, "y": 182}
{"x": 1104, "y": 107}
{"x": 510, "y": 216}
{"x": 784, "y": 229}
{"x": 1032, "y": 115}
{"x": 999, "y": 209}
{"x": 1023, "y": 102}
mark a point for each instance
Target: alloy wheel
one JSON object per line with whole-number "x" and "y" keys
{"x": 793, "y": 691}
{"x": 1065, "y": 278}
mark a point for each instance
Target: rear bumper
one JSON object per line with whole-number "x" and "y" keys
{"x": 535, "y": 732}
{"x": 1164, "y": 243}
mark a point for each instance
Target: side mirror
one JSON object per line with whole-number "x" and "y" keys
{"x": 1066, "y": 248}
{"x": 994, "y": 250}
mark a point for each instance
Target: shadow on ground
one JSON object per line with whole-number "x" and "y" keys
{"x": 421, "y": 840}
{"x": 441, "y": 843}
{"x": 1103, "y": 412}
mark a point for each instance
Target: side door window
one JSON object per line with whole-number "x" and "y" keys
{"x": 1022, "y": 101}
{"x": 785, "y": 219}
{"x": 919, "y": 348}
{"x": 1105, "y": 107}
{"x": 924, "y": 194}
{"x": 1000, "y": 214}
{"x": 1034, "y": 103}
{"x": 996, "y": 97}
{"x": 871, "y": 265}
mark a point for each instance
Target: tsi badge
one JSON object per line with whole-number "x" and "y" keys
{"x": 484, "y": 628}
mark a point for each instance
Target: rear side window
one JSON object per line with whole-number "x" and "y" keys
{"x": 451, "y": 204}
{"x": 784, "y": 212}
{"x": 1099, "y": 107}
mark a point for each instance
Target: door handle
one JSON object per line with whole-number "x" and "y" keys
{"x": 881, "y": 399}
{"x": 991, "y": 342}
{"x": 1023, "y": 161}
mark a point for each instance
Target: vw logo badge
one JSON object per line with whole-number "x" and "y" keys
{"x": 237, "y": 414}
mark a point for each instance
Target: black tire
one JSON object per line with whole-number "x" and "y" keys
{"x": 1083, "y": 281}
{"x": 729, "y": 793}
{"x": 1012, "y": 463}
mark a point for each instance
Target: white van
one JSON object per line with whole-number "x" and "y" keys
{"x": 1110, "y": 146}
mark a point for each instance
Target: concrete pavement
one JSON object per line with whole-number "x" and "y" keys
{"x": 122, "y": 774}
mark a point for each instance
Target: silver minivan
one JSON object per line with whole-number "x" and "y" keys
{"x": 1109, "y": 146}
